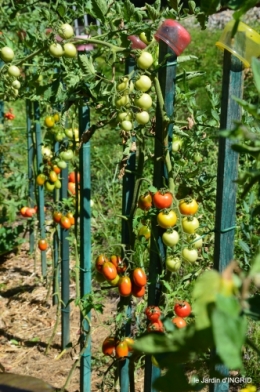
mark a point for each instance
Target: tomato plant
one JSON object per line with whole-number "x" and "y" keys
{"x": 182, "y": 309}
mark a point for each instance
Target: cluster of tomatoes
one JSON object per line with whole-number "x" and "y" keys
{"x": 68, "y": 49}
{"x": 167, "y": 218}
{"x": 114, "y": 271}
{"x": 120, "y": 348}
{"x": 28, "y": 212}
{"x": 11, "y": 73}
{"x": 64, "y": 220}
{"x": 50, "y": 179}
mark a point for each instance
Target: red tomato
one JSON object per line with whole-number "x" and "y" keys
{"x": 42, "y": 244}
{"x": 57, "y": 216}
{"x": 138, "y": 291}
{"x": 125, "y": 286}
{"x": 72, "y": 177}
{"x": 139, "y": 277}
{"x": 156, "y": 326}
{"x": 153, "y": 313}
{"x": 109, "y": 270}
{"x": 188, "y": 206}
{"x": 145, "y": 201}
{"x": 30, "y": 212}
{"x": 65, "y": 222}
{"x": 122, "y": 349}
{"x": 162, "y": 200}
{"x": 179, "y": 322}
{"x": 109, "y": 346}
{"x": 182, "y": 309}
{"x": 100, "y": 260}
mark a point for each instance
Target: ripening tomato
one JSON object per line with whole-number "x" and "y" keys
{"x": 188, "y": 206}
{"x": 190, "y": 224}
{"x": 72, "y": 177}
{"x": 145, "y": 232}
{"x": 56, "y": 169}
{"x": 115, "y": 259}
{"x": 162, "y": 199}
{"x": 170, "y": 238}
{"x": 49, "y": 186}
{"x": 138, "y": 291}
{"x": 100, "y": 260}
{"x": 65, "y": 222}
{"x": 57, "y": 216}
{"x": 23, "y": 211}
{"x": 173, "y": 264}
{"x": 155, "y": 326}
{"x": 53, "y": 176}
{"x": 189, "y": 255}
{"x": 179, "y": 322}
{"x": 109, "y": 270}
{"x": 130, "y": 342}
{"x": 71, "y": 218}
{"x": 142, "y": 117}
{"x": 13, "y": 70}
{"x": 122, "y": 349}
{"x": 144, "y": 101}
{"x": 125, "y": 286}
{"x": 72, "y": 188}
{"x": 42, "y": 244}
{"x": 145, "y": 201}
{"x": 139, "y": 277}
{"x": 56, "y": 117}
{"x": 6, "y": 54}
{"x": 166, "y": 219}
{"x": 114, "y": 282}
{"x": 49, "y": 121}
{"x": 40, "y": 179}
{"x": 182, "y": 309}
{"x": 109, "y": 346}
{"x": 153, "y": 313}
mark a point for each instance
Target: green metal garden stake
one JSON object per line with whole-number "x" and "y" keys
{"x": 30, "y": 158}
{"x": 166, "y": 76}
{"x": 39, "y": 159}
{"x": 85, "y": 245}
{"x": 65, "y": 270}
{"x": 1, "y": 122}
{"x": 127, "y": 198}
{"x": 232, "y": 85}
{"x": 56, "y": 244}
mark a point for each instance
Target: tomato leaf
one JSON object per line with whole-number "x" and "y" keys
{"x": 153, "y": 14}
{"x": 256, "y": 72}
{"x": 229, "y": 335}
{"x": 98, "y": 9}
{"x": 61, "y": 10}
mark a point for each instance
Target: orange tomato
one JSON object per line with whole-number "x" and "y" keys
{"x": 57, "y": 216}
{"x": 122, "y": 349}
{"x": 40, "y": 179}
{"x": 72, "y": 188}
{"x": 30, "y": 212}
{"x": 188, "y": 206}
{"x": 72, "y": 177}
{"x": 179, "y": 322}
{"x": 65, "y": 222}
{"x": 138, "y": 291}
{"x": 109, "y": 346}
{"x": 100, "y": 260}
{"x": 56, "y": 169}
{"x": 130, "y": 342}
{"x": 42, "y": 244}
{"x": 109, "y": 270}
{"x": 125, "y": 286}
{"x": 23, "y": 211}
{"x": 71, "y": 218}
{"x": 139, "y": 277}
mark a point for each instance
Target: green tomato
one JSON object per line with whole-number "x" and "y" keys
{"x": 66, "y": 31}
{"x": 189, "y": 255}
{"x": 16, "y": 84}
{"x": 198, "y": 241}
{"x": 197, "y": 157}
{"x": 67, "y": 155}
{"x": 6, "y": 54}
{"x": 70, "y": 50}
{"x": 176, "y": 144}
{"x": 190, "y": 224}
{"x": 124, "y": 116}
{"x": 143, "y": 38}
{"x": 13, "y": 70}
{"x": 59, "y": 136}
{"x": 170, "y": 238}
{"x": 142, "y": 117}
{"x": 127, "y": 125}
{"x": 56, "y": 50}
{"x": 145, "y": 60}
{"x": 49, "y": 186}
{"x": 173, "y": 264}
{"x": 126, "y": 86}
{"x": 143, "y": 84}
{"x": 123, "y": 101}
{"x": 57, "y": 184}
{"x": 62, "y": 164}
{"x": 144, "y": 102}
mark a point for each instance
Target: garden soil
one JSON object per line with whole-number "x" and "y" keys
{"x": 27, "y": 319}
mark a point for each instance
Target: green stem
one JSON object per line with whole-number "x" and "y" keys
{"x": 98, "y": 42}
